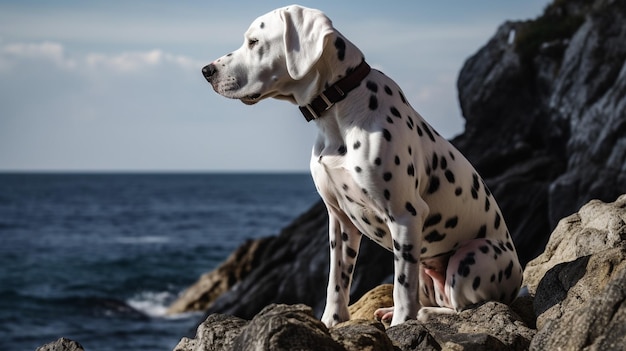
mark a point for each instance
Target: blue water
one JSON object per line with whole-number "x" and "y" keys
{"x": 97, "y": 258}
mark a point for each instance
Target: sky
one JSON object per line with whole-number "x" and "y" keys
{"x": 117, "y": 85}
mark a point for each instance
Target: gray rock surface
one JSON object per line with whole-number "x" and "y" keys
{"x": 61, "y": 344}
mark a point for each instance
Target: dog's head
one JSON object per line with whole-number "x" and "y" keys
{"x": 280, "y": 49}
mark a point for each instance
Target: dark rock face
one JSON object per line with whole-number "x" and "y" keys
{"x": 545, "y": 103}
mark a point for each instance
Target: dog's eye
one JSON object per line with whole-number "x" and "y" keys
{"x": 252, "y": 43}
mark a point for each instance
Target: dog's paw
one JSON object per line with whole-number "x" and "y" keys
{"x": 426, "y": 314}
{"x": 331, "y": 318}
{"x": 384, "y": 314}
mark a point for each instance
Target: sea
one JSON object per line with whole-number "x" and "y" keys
{"x": 97, "y": 258}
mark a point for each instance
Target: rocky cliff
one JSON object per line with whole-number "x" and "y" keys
{"x": 545, "y": 109}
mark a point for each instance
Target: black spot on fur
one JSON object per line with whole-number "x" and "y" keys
{"x": 484, "y": 249}
{"x": 476, "y": 283}
{"x": 409, "y": 257}
{"x": 458, "y": 191}
{"x": 419, "y": 131}
{"x": 396, "y": 245}
{"x": 452, "y": 222}
{"x": 402, "y": 97}
{"x": 342, "y": 150}
{"x": 388, "y": 90}
{"x": 380, "y": 232}
{"x": 482, "y": 232}
{"x": 372, "y": 86}
{"x": 435, "y": 161}
{"x": 434, "y": 236}
{"x": 487, "y": 204}
{"x": 377, "y": 161}
{"x": 373, "y": 105}
{"x": 262, "y": 25}
{"x": 350, "y": 252}
{"x": 444, "y": 162}
{"x": 395, "y": 112}
{"x": 432, "y": 220}
{"x": 428, "y": 132}
{"x": 464, "y": 265}
{"x": 396, "y": 160}
{"x": 356, "y": 145}
{"x": 433, "y": 185}
{"x": 340, "y": 45}
{"x": 409, "y": 207}
{"x": 389, "y": 120}
{"x": 344, "y": 236}
{"x": 496, "y": 224}
{"x": 358, "y": 169}
{"x": 508, "y": 270}
{"x": 337, "y": 288}
{"x": 449, "y": 176}
{"x": 409, "y": 122}
{"x": 410, "y": 151}
{"x": 410, "y": 170}
{"x": 386, "y": 134}
{"x": 474, "y": 194}
{"x": 387, "y": 176}
{"x": 336, "y": 316}
{"x": 387, "y": 194}
{"x": 366, "y": 221}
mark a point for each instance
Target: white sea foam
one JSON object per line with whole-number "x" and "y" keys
{"x": 155, "y": 304}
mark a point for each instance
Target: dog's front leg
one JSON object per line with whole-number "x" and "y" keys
{"x": 344, "y": 240}
{"x": 406, "y": 235}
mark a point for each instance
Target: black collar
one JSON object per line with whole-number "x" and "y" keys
{"x": 335, "y": 93}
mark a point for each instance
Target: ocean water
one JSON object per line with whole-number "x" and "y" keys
{"x": 97, "y": 258}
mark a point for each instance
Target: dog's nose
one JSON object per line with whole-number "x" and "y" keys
{"x": 208, "y": 71}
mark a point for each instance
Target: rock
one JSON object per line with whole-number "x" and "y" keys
{"x": 362, "y": 335}
{"x": 491, "y": 326}
{"x": 599, "y": 324}
{"x": 544, "y": 115}
{"x": 62, "y": 344}
{"x": 597, "y": 227}
{"x": 216, "y": 333}
{"x": 579, "y": 280}
{"x": 285, "y": 328}
{"x": 364, "y": 308}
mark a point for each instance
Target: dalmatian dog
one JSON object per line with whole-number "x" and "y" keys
{"x": 380, "y": 168}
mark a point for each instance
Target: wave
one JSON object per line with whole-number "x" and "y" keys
{"x": 147, "y": 239}
{"x": 155, "y": 305}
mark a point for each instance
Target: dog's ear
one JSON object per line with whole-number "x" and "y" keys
{"x": 305, "y": 33}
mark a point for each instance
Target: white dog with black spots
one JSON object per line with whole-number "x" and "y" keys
{"x": 380, "y": 168}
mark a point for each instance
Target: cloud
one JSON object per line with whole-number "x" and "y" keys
{"x": 14, "y": 54}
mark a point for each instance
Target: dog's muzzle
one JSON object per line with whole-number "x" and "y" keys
{"x": 208, "y": 71}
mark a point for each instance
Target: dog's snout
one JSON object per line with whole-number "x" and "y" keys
{"x": 208, "y": 71}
